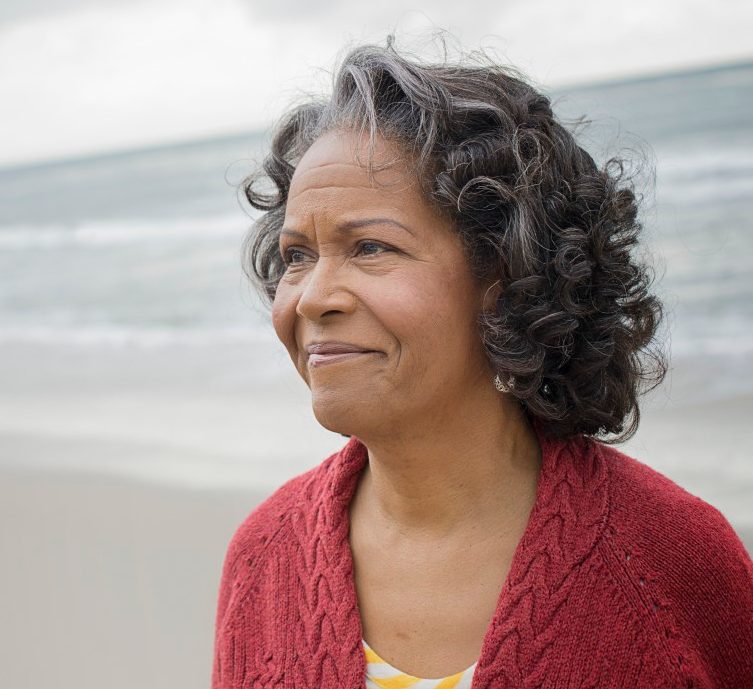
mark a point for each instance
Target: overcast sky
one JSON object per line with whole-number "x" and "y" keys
{"x": 83, "y": 76}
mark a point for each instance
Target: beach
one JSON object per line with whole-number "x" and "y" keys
{"x": 146, "y": 405}
{"x": 113, "y": 563}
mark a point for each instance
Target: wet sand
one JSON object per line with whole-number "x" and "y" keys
{"x": 120, "y": 488}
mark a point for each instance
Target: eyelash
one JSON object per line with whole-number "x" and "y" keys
{"x": 289, "y": 250}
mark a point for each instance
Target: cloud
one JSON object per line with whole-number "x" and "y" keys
{"x": 100, "y": 75}
{"x": 18, "y": 10}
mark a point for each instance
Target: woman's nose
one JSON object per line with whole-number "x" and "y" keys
{"x": 324, "y": 289}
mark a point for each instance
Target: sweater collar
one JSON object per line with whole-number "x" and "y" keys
{"x": 568, "y": 517}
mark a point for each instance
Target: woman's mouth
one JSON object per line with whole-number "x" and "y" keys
{"x": 316, "y": 360}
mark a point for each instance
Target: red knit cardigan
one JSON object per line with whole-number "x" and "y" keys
{"x": 622, "y": 579}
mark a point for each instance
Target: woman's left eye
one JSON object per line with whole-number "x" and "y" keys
{"x": 369, "y": 243}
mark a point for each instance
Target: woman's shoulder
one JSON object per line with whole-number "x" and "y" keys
{"x": 683, "y": 566}
{"x": 647, "y": 506}
{"x": 270, "y": 518}
{"x": 254, "y": 544}
{"x": 648, "y": 525}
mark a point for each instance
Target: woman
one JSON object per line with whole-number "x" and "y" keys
{"x": 452, "y": 276}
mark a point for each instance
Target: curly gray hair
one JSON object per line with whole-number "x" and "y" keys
{"x": 574, "y": 322}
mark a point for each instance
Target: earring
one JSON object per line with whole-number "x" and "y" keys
{"x": 501, "y": 386}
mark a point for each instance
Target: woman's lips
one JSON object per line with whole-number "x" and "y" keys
{"x": 316, "y": 360}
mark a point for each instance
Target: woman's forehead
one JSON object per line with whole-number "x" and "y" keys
{"x": 329, "y": 182}
{"x": 345, "y": 154}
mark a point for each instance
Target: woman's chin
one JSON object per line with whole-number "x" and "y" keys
{"x": 333, "y": 411}
{"x": 344, "y": 414}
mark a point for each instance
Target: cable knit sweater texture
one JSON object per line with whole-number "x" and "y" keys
{"x": 622, "y": 579}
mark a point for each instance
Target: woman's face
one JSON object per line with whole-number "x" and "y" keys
{"x": 399, "y": 286}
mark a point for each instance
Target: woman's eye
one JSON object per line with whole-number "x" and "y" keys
{"x": 288, "y": 254}
{"x": 376, "y": 244}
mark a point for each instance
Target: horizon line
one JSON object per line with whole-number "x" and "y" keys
{"x": 208, "y": 139}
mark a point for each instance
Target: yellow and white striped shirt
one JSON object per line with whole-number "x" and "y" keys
{"x": 381, "y": 675}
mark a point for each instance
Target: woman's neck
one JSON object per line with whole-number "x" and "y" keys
{"x": 472, "y": 470}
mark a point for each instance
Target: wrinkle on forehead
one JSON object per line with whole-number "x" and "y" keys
{"x": 335, "y": 152}
{"x": 329, "y": 184}
{"x": 362, "y": 190}
{"x": 338, "y": 174}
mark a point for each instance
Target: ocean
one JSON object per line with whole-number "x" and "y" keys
{"x": 143, "y": 245}
{"x": 140, "y": 250}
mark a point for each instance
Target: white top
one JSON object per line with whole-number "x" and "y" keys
{"x": 381, "y": 675}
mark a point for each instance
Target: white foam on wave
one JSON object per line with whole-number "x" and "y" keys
{"x": 706, "y": 159}
{"x": 112, "y": 335}
{"x": 690, "y": 175}
{"x": 699, "y": 347}
{"x": 685, "y": 345}
{"x": 110, "y": 232}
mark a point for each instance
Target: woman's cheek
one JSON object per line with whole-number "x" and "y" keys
{"x": 401, "y": 304}
{"x": 283, "y": 319}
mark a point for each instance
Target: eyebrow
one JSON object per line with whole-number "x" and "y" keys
{"x": 349, "y": 225}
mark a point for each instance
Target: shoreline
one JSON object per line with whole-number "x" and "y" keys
{"x": 126, "y": 572}
{"x": 124, "y": 473}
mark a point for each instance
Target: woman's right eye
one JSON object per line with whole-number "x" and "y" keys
{"x": 288, "y": 254}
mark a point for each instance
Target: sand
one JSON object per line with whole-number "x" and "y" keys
{"x": 124, "y": 473}
{"x": 110, "y": 582}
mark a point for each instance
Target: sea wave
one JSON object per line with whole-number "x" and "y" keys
{"x": 156, "y": 337}
{"x": 705, "y": 175}
{"x": 109, "y": 232}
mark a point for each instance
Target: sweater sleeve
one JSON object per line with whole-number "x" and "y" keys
{"x": 227, "y": 579}
{"x": 713, "y": 601}
{"x": 245, "y": 562}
